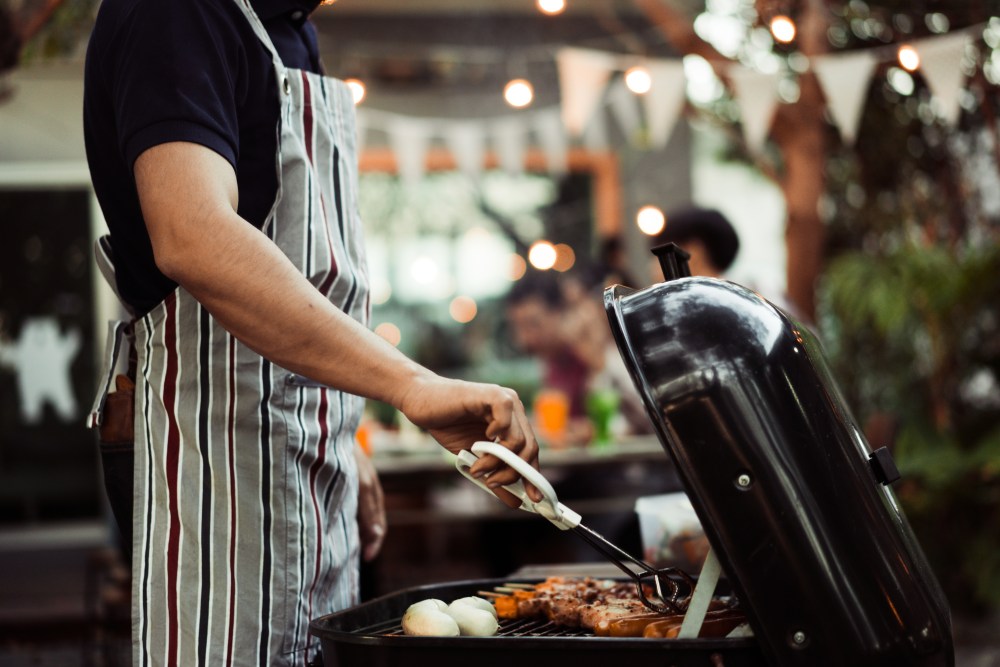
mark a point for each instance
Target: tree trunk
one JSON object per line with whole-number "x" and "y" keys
{"x": 800, "y": 132}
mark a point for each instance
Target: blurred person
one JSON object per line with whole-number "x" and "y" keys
{"x": 711, "y": 240}
{"x": 537, "y": 312}
{"x": 586, "y": 323}
{"x": 703, "y": 233}
{"x": 224, "y": 164}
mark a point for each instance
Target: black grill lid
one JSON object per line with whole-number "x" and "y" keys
{"x": 791, "y": 496}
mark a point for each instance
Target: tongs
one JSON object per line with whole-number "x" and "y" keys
{"x": 667, "y": 598}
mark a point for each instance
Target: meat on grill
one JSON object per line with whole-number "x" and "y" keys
{"x": 607, "y": 607}
{"x": 572, "y": 602}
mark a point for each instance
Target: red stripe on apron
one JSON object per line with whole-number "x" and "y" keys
{"x": 308, "y": 122}
{"x": 231, "y": 446}
{"x": 172, "y": 471}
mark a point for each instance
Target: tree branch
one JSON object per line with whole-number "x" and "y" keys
{"x": 678, "y": 30}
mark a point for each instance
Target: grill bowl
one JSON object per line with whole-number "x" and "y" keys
{"x": 370, "y": 635}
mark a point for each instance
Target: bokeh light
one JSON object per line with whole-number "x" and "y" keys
{"x": 518, "y": 267}
{"x": 425, "y": 270}
{"x": 638, "y": 80}
{"x": 358, "y": 90}
{"x": 783, "y": 29}
{"x": 390, "y": 332}
{"x": 462, "y": 309}
{"x": 650, "y": 220}
{"x": 551, "y": 7}
{"x": 542, "y": 255}
{"x": 519, "y": 93}
{"x": 908, "y": 57}
{"x": 565, "y": 258}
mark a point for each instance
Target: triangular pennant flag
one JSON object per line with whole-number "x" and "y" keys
{"x": 756, "y": 95}
{"x": 551, "y": 136}
{"x": 665, "y": 99}
{"x": 467, "y": 141}
{"x": 583, "y": 74}
{"x": 845, "y": 79}
{"x": 941, "y": 65}
{"x": 625, "y": 109}
{"x": 511, "y": 143}
{"x": 595, "y": 136}
{"x": 409, "y": 139}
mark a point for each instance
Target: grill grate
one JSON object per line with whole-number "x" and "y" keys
{"x": 508, "y": 628}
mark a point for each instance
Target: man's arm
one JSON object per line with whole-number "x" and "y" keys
{"x": 188, "y": 195}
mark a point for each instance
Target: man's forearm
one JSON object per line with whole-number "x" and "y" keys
{"x": 252, "y": 289}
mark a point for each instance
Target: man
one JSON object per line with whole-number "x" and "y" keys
{"x": 542, "y": 325}
{"x": 249, "y": 289}
{"x": 706, "y": 235}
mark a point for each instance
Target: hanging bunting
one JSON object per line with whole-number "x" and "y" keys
{"x": 551, "y": 135}
{"x": 625, "y": 109}
{"x": 467, "y": 142}
{"x": 845, "y": 80}
{"x": 583, "y": 76}
{"x": 409, "y": 139}
{"x": 941, "y": 66}
{"x": 756, "y": 95}
{"x": 595, "y": 135}
{"x": 665, "y": 99}
{"x": 585, "y": 79}
{"x": 510, "y": 141}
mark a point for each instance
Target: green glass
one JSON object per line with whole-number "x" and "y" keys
{"x": 602, "y": 407}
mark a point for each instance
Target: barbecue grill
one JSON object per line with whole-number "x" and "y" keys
{"x": 796, "y": 505}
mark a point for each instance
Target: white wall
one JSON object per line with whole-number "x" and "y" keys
{"x": 754, "y": 205}
{"x": 43, "y": 119}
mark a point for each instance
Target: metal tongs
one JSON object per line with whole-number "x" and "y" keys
{"x": 667, "y": 599}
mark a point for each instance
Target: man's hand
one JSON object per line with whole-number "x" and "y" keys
{"x": 371, "y": 507}
{"x": 457, "y": 414}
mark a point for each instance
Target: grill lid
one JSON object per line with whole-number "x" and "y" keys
{"x": 792, "y": 498}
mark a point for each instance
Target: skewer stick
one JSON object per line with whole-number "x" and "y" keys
{"x": 490, "y": 594}
{"x": 526, "y": 587}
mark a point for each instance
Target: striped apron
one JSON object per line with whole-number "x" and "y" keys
{"x": 245, "y": 487}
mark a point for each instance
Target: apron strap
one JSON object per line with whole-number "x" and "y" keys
{"x": 113, "y": 348}
{"x": 258, "y": 27}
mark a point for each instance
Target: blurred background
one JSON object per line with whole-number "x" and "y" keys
{"x": 513, "y": 147}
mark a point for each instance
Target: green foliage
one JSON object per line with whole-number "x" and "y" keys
{"x": 912, "y": 328}
{"x": 63, "y": 33}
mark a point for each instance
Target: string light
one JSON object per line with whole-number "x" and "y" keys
{"x": 650, "y": 220}
{"x": 542, "y": 255}
{"x": 358, "y": 90}
{"x": 390, "y": 332}
{"x": 565, "y": 258}
{"x": 783, "y": 29}
{"x": 908, "y": 57}
{"x": 638, "y": 80}
{"x": 327, "y": 3}
{"x": 519, "y": 93}
{"x": 462, "y": 309}
{"x": 551, "y": 7}
{"x": 518, "y": 267}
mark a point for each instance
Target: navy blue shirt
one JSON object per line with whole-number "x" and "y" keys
{"x": 159, "y": 71}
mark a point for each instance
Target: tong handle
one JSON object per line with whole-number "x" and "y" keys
{"x": 549, "y": 507}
